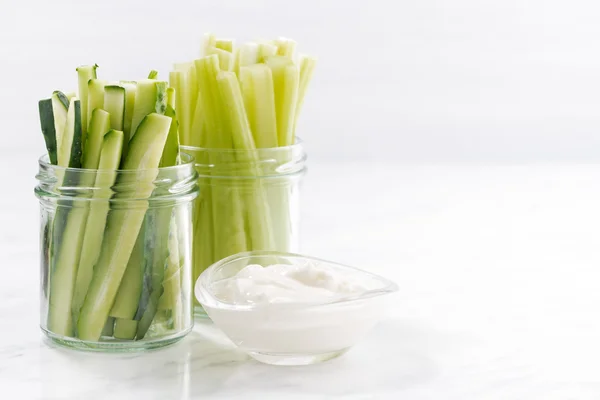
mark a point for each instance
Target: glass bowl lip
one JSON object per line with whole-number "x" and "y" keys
{"x": 189, "y": 163}
{"x": 205, "y": 296}
{"x": 297, "y": 145}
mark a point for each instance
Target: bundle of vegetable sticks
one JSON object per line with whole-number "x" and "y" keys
{"x": 107, "y": 266}
{"x": 244, "y": 98}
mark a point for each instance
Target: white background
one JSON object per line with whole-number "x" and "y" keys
{"x": 427, "y": 80}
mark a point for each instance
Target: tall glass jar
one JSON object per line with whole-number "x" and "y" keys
{"x": 116, "y": 258}
{"x": 249, "y": 200}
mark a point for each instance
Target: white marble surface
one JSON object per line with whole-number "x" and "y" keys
{"x": 499, "y": 277}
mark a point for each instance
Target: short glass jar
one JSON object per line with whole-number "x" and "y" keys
{"x": 116, "y": 256}
{"x": 249, "y": 201}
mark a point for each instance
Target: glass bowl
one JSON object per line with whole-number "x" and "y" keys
{"x": 293, "y": 333}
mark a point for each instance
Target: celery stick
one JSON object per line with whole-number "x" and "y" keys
{"x": 125, "y": 328}
{"x": 228, "y": 221}
{"x": 151, "y": 97}
{"x": 307, "y": 68}
{"x": 248, "y": 54}
{"x": 123, "y": 225}
{"x": 209, "y": 40}
{"x": 285, "y": 47}
{"x": 257, "y": 212}
{"x": 95, "y": 97}
{"x": 92, "y": 241}
{"x": 266, "y": 50}
{"x": 170, "y": 156}
{"x": 259, "y": 101}
{"x": 191, "y": 88}
{"x": 109, "y": 327}
{"x": 153, "y": 74}
{"x": 285, "y": 81}
{"x": 84, "y": 74}
{"x": 130, "y": 289}
{"x": 226, "y": 59}
{"x": 224, "y": 44}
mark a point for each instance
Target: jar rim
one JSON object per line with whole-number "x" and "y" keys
{"x": 188, "y": 161}
{"x": 297, "y": 145}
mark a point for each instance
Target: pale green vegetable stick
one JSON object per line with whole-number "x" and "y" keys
{"x": 130, "y": 94}
{"x": 130, "y": 289}
{"x": 286, "y": 47}
{"x": 84, "y": 74}
{"x": 307, "y": 68}
{"x": 266, "y": 50}
{"x": 285, "y": 81}
{"x": 226, "y": 59}
{"x": 259, "y": 101}
{"x": 151, "y": 97}
{"x": 123, "y": 225}
{"x": 224, "y": 44}
{"x": 92, "y": 241}
{"x": 259, "y": 220}
{"x": 95, "y": 96}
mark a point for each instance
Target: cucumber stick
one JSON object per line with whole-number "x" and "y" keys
{"x": 65, "y": 258}
{"x": 151, "y": 97}
{"x": 123, "y": 225}
{"x": 109, "y": 160}
{"x": 95, "y": 96}
{"x": 125, "y": 328}
{"x": 128, "y": 297}
{"x": 99, "y": 126}
{"x": 114, "y": 104}
{"x": 69, "y": 149}
{"x": 84, "y": 74}
{"x": 170, "y": 156}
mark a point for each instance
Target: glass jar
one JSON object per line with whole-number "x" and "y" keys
{"x": 249, "y": 200}
{"x": 116, "y": 258}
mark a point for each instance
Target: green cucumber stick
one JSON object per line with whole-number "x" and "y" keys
{"x": 84, "y": 74}
{"x": 257, "y": 209}
{"x": 99, "y": 125}
{"x": 259, "y": 101}
{"x": 130, "y": 91}
{"x": 170, "y": 156}
{"x": 109, "y": 327}
{"x": 108, "y": 163}
{"x": 285, "y": 82}
{"x": 125, "y": 328}
{"x": 307, "y": 68}
{"x": 151, "y": 97}
{"x": 114, "y": 104}
{"x": 95, "y": 100}
{"x": 66, "y": 238}
{"x": 172, "y": 296}
{"x": 123, "y": 225}
{"x": 177, "y": 80}
{"x": 157, "y": 248}
{"x": 130, "y": 289}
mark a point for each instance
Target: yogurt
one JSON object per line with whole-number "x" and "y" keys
{"x": 281, "y": 283}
